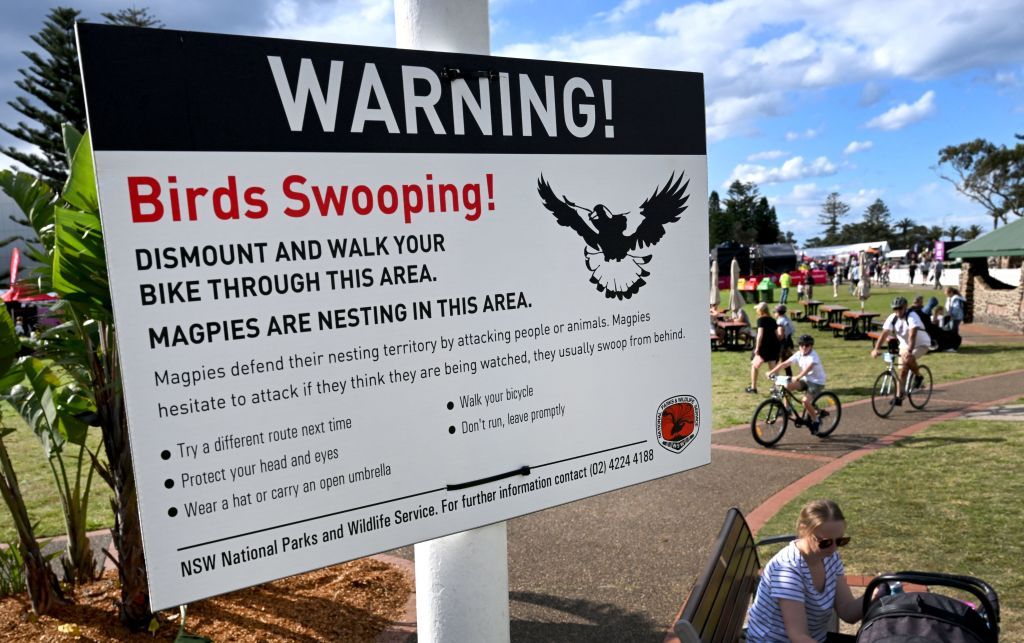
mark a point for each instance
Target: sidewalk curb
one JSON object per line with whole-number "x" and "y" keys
{"x": 763, "y": 512}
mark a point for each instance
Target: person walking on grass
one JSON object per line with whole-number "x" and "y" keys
{"x": 785, "y": 281}
{"x": 914, "y": 342}
{"x": 766, "y": 344}
{"x": 810, "y": 379}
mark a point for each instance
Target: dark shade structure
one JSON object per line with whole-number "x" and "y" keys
{"x": 774, "y": 258}
{"x": 727, "y": 251}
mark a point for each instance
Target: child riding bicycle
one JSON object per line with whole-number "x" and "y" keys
{"x": 914, "y": 342}
{"x": 810, "y": 379}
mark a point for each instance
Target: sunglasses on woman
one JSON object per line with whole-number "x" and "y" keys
{"x": 825, "y": 543}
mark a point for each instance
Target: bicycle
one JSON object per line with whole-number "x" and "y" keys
{"x": 883, "y": 393}
{"x": 772, "y": 416}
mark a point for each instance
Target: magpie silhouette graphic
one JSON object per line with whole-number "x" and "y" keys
{"x": 613, "y": 269}
{"x": 677, "y": 425}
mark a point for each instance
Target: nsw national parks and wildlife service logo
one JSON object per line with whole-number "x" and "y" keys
{"x": 678, "y": 422}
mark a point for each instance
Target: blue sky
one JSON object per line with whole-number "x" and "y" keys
{"x": 804, "y": 97}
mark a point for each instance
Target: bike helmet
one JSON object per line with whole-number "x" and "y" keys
{"x": 899, "y": 302}
{"x": 805, "y": 340}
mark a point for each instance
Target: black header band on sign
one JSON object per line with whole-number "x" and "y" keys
{"x": 165, "y": 90}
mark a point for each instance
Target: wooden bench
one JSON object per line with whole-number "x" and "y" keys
{"x": 816, "y": 320}
{"x": 717, "y": 605}
{"x": 874, "y": 334}
{"x": 838, "y": 328}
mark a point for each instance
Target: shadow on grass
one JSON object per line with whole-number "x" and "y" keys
{"x": 603, "y": 622}
{"x": 931, "y": 442}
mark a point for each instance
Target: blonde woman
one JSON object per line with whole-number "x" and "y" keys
{"x": 802, "y": 584}
{"x": 766, "y": 344}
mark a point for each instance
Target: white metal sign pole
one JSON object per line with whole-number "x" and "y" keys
{"x": 462, "y": 579}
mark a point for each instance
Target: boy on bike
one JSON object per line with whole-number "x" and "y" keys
{"x": 810, "y": 379}
{"x": 914, "y": 342}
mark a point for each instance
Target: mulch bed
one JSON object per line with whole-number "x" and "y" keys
{"x": 354, "y": 601}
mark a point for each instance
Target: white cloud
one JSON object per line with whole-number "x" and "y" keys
{"x": 905, "y": 114}
{"x": 819, "y": 45}
{"x": 794, "y": 169}
{"x": 858, "y": 146}
{"x": 769, "y": 155}
{"x": 729, "y": 116}
{"x": 807, "y": 133}
{"x": 368, "y": 22}
{"x": 860, "y": 200}
{"x": 620, "y": 12}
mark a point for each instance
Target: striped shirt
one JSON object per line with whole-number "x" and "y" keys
{"x": 787, "y": 576}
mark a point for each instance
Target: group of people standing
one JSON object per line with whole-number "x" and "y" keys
{"x": 925, "y": 264}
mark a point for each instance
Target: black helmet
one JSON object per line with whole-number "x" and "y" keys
{"x": 805, "y": 340}
{"x": 899, "y": 302}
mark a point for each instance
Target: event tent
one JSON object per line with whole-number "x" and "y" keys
{"x": 1007, "y": 241}
{"x": 848, "y": 249}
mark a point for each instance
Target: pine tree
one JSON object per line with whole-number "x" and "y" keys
{"x": 719, "y": 229}
{"x": 766, "y": 222}
{"x": 832, "y": 210}
{"x": 53, "y": 85}
{"x": 53, "y": 80}
{"x": 877, "y": 222}
{"x": 740, "y": 206}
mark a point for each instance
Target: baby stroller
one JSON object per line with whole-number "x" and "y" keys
{"x": 920, "y": 617}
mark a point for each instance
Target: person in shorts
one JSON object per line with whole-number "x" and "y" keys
{"x": 810, "y": 379}
{"x": 914, "y": 342}
{"x": 766, "y": 344}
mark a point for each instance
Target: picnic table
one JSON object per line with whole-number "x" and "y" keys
{"x": 860, "y": 324}
{"x": 732, "y": 330}
{"x": 811, "y": 311}
{"x": 834, "y": 318}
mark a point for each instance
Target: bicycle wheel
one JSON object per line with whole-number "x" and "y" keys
{"x": 769, "y": 423}
{"x": 829, "y": 412}
{"x": 919, "y": 395}
{"x": 883, "y": 394}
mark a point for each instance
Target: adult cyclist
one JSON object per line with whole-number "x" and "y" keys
{"x": 914, "y": 341}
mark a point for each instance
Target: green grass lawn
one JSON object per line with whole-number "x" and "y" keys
{"x": 848, "y": 364}
{"x": 37, "y": 484}
{"x": 945, "y": 500}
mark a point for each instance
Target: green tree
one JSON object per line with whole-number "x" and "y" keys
{"x": 749, "y": 216}
{"x": 973, "y": 232}
{"x": 832, "y": 211}
{"x": 739, "y": 210}
{"x": 877, "y": 221}
{"x": 53, "y": 91}
{"x": 954, "y": 232}
{"x": 905, "y": 225}
{"x": 719, "y": 227}
{"x": 988, "y": 174}
{"x": 54, "y": 96}
{"x": 44, "y": 591}
{"x": 74, "y": 266}
{"x": 766, "y": 223}
{"x": 133, "y": 17}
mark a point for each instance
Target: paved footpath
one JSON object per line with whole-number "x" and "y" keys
{"x": 616, "y": 567}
